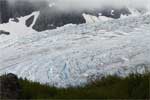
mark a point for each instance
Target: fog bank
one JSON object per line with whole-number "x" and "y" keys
{"x": 81, "y": 4}
{"x": 86, "y": 4}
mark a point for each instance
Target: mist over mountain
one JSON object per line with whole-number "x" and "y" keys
{"x": 56, "y": 13}
{"x": 86, "y": 4}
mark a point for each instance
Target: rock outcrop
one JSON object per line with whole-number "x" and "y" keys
{"x": 4, "y": 32}
{"x": 18, "y": 8}
{"x": 9, "y": 87}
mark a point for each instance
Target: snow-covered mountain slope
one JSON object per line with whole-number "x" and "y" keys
{"x": 94, "y": 19}
{"x": 20, "y": 27}
{"x": 69, "y": 54}
{"x": 52, "y": 14}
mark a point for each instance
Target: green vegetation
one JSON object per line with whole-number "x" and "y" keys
{"x": 111, "y": 87}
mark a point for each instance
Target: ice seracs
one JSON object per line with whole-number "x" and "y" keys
{"x": 68, "y": 55}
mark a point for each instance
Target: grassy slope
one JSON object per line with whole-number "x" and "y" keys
{"x": 111, "y": 87}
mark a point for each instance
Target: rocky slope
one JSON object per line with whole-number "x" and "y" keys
{"x": 51, "y": 17}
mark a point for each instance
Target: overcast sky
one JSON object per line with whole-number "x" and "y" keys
{"x": 82, "y": 4}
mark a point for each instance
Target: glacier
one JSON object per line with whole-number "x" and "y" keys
{"x": 69, "y": 55}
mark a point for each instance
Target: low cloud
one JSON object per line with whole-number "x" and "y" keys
{"x": 88, "y": 4}
{"x": 81, "y": 4}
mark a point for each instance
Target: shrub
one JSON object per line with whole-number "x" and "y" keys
{"x": 135, "y": 86}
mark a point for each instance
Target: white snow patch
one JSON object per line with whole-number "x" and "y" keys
{"x": 93, "y": 19}
{"x": 20, "y": 27}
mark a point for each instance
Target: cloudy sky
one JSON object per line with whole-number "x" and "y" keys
{"x": 82, "y": 4}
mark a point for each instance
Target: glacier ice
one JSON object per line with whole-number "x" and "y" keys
{"x": 68, "y": 55}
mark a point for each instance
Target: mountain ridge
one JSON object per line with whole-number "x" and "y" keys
{"x": 51, "y": 17}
